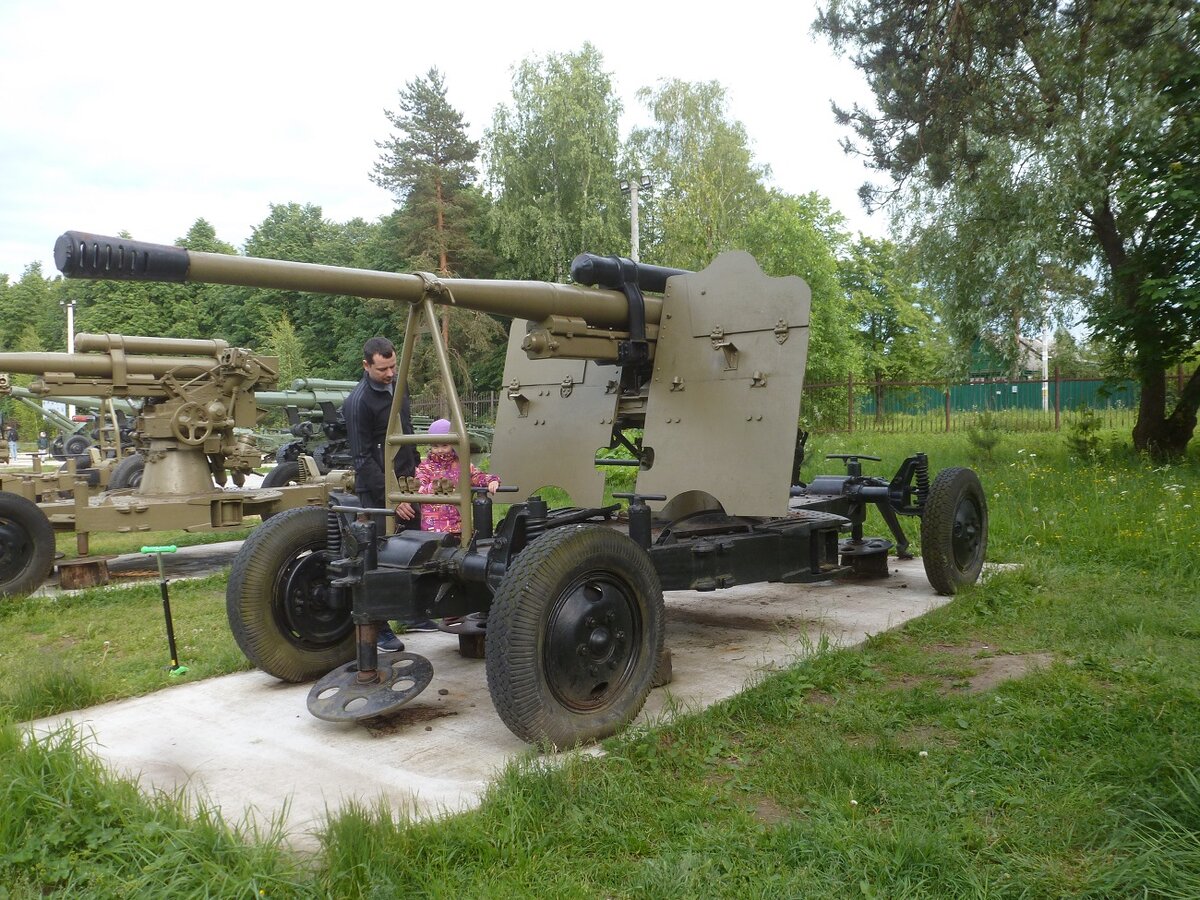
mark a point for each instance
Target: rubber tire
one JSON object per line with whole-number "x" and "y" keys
{"x": 26, "y": 546}
{"x": 954, "y": 530}
{"x": 77, "y": 446}
{"x": 256, "y": 595}
{"x": 545, "y": 577}
{"x": 283, "y": 474}
{"x": 127, "y": 473}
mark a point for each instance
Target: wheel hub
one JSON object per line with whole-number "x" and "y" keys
{"x": 967, "y": 530}
{"x": 312, "y": 614}
{"x": 598, "y": 643}
{"x": 589, "y": 651}
{"x": 14, "y": 549}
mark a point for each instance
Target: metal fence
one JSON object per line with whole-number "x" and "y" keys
{"x": 478, "y": 406}
{"x": 915, "y": 406}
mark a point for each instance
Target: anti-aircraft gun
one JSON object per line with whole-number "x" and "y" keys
{"x": 193, "y": 396}
{"x": 697, "y": 375}
{"x": 106, "y": 443}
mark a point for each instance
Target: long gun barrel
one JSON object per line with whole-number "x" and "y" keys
{"x": 118, "y": 365}
{"x": 133, "y": 370}
{"x": 81, "y": 255}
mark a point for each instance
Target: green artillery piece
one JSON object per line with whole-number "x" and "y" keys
{"x": 71, "y": 439}
{"x": 191, "y": 397}
{"x": 92, "y": 449}
{"x": 697, "y": 374}
{"x": 332, "y": 451}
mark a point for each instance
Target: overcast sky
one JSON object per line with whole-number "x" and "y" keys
{"x": 144, "y": 116}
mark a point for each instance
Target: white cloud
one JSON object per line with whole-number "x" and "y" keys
{"x": 145, "y": 116}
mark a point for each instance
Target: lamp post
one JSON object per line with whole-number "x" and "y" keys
{"x": 69, "y": 306}
{"x": 630, "y": 186}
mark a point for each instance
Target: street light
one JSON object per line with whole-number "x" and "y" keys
{"x": 69, "y": 306}
{"x": 630, "y": 186}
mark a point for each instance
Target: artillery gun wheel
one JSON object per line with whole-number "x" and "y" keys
{"x": 573, "y": 636}
{"x": 954, "y": 530}
{"x": 278, "y": 600}
{"x": 283, "y": 474}
{"x": 127, "y": 473}
{"x": 191, "y": 424}
{"x": 77, "y": 446}
{"x": 26, "y": 545}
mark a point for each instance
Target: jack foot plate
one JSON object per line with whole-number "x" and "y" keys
{"x": 341, "y": 697}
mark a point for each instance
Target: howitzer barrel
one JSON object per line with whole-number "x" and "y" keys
{"x": 102, "y": 343}
{"x": 323, "y": 384}
{"x": 81, "y": 255}
{"x": 300, "y": 399}
{"x": 98, "y": 365}
{"x": 80, "y": 401}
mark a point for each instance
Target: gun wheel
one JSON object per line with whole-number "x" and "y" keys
{"x": 574, "y": 636}
{"x": 280, "y": 607}
{"x": 77, "y": 446}
{"x": 954, "y": 530}
{"x": 26, "y": 545}
{"x": 283, "y": 474}
{"x": 127, "y": 473}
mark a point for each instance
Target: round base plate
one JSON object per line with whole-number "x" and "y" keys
{"x": 340, "y": 697}
{"x": 866, "y": 547}
{"x": 868, "y": 557}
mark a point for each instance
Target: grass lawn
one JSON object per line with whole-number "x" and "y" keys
{"x": 1039, "y": 736}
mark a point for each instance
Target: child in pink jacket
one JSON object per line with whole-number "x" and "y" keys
{"x": 442, "y": 464}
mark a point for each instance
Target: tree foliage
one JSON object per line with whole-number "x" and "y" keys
{"x": 895, "y": 316}
{"x": 705, "y": 181}
{"x": 429, "y": 164}
{"x": 796, "y": 236}
{"x": 552, "y": 160}
{"x": 1033, "y": 138}
{"x": 30, "y": 305}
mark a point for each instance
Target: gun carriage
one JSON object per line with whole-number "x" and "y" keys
{"x": 697, "y": 375}
{"x": 192, "y": 399}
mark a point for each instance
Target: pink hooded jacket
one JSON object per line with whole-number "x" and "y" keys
{"x": 445, "y": 517}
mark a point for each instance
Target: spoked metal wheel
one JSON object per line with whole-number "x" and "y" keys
{"x": 573, "y": 636}
{"x": 281, "y": 610}
{"x": 954, "y": 530}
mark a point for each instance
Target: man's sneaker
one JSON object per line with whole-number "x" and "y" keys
{"x": 387, "y": 641}
{"x": 420, "y": 625}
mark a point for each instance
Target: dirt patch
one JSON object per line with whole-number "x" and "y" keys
{"x": 922, "y": 737}
{"x": 767, "y": 811}
{"x": 722, "y": 618}
{"x": 401, "y": 719}
{"x": 993, "y": 668}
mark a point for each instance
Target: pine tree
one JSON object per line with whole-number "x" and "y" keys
{"x": 429, "y": 165}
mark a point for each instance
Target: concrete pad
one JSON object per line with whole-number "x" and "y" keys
{"x": 247, "y": 743}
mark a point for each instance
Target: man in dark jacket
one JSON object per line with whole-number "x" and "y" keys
{"x": 366, "y": 411}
